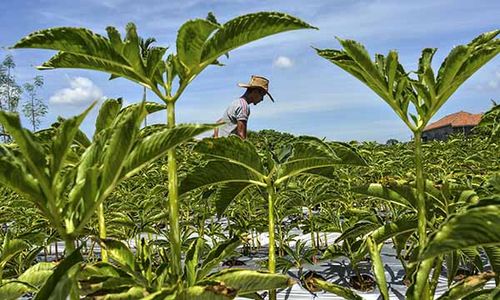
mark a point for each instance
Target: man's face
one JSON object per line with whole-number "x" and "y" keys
{"x": 259, "y": 96}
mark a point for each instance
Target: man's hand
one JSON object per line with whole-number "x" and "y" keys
{"x": 216, "y": 129}
{"x": 242, "y": 129}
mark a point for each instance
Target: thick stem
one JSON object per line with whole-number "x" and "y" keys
{"x": 424, "y": 268}
{"x": 173, "y": 204}
{"x": 420, "y": 180}
{"x": 272, "y": 251}
{"x": 144, "y": 91}
{"x": 102, "y": 230}
{"x": 69, "y": 246}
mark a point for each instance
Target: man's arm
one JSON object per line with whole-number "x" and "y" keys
{"x": 242, "y": 129}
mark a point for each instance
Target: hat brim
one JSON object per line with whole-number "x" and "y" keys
{"x": 244, "y": 85}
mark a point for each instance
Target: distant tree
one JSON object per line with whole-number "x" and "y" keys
{"x": 391, "y": 142}
{"x": 10, "y": 91}
{"x": 34, "y": 109}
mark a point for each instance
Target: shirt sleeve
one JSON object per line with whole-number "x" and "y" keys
{"x": 242, "y": 111}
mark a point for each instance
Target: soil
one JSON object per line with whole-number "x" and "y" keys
{"x": 364, "y": 282}
{"x": 308, "y": 283}
{"x": 233, "y": 262}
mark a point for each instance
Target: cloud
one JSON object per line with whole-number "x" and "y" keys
{"x": 82, "y": 91}
{"x": 283, "y": 62}
{"x": 491, "y": 84}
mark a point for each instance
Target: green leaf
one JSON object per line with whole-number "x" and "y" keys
{"x": 210, "y": 292}
{"x": 385, "y": 193}
{"x": 475, "y": 227}
{"x": 11, "y": 249}
{"x": 309, "y": 155}
{"x": 62, "y": 141}
{"x": 378, "y": 266}
{"x": 13, "y": 174}
{"x": 58, "y": 285}
{"x": 191, "y": 263}
{"x": 190, "y": 40}
{"x": 107, "y": 113}
{"x": 217, "y": 172}
{"x": 36, "y": 275}
{"x": 154, "y": 146}
{"x": 493, "y": 253}
{"x": 232, "y": 149}
{"x": 467, "y": 286}
{"x": 452, "y": 263}
{"x": 334, "y": 288}
{"x": 217, "y": 255}
{"x": 248, "y": 281}
{"x": 462, "y": 62}
{"x": 120, "y": 253}
{"x": 227, "y": 193}
{"x": 82, "y": 48}
{"x": 32, "y": 152}
{"x": 119, "y": 144}
{"x": 12, "y": 290}
{"x": 245, "y": 29}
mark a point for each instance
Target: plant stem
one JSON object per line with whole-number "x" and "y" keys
{"x": 311, "y": 225}
{"x": 69, "y": 246}
{"x": 173, "y": 205}
{"x": 102, "y": 230}
{"x": 420, "y": 180}
{"x": 272, "y": 251}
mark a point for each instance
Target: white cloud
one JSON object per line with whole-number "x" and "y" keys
{"x": 493, "y": 83}
{"x": 283, "y": 62}
{"x": 82, "y": 91}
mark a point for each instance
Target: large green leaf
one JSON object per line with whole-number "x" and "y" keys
{"x": 462, "y": 62}
{"x": 209, "y": 292}
{"x": 32, "y": 152}
{"x": 107, "y": 113}
{"x": 467, "y": 286}
{"x": 245, "y": 29}
{"x": 218, "y": 172}
{"x": 384, "y": 193}
{"x": 232, "y": 149}
{"x": 12, "y": 290}
{"x": 58, "y": 285}
{"x": 334, "y": 288}
{"x": 119, "y": 144}
{"x": 63, "y": 140}
{"x": 82, "y": 48}
{"x": 493, "y": 253}
{"x": 13, "y": 174}
{"x": 248, "y": 281}
{"x": 157, "y": 144}
{"x": 190, "y": 40}
{"x": 477, "y": 226}
{"x": 309, "y": 154}
{"x": 120, "y": 253}
{"x": 217, "y": 255}
{"x": 378, "y": 266}
{"x": 11, "y": 249}
{"x": 227, "y": 193}
{"x": 191, "y": 263}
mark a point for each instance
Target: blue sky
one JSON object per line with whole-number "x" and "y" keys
{"x": 313, "y": 96}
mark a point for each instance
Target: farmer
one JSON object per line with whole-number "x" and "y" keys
{"x": 235, "y": 117}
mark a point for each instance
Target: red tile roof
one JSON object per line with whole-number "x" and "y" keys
{"x": 458, "y": 119}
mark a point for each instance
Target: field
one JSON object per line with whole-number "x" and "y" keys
{"x": 150, "y": 212}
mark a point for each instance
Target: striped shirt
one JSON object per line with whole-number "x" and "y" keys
{"x": 238, "y": 110}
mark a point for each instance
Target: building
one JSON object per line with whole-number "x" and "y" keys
{"x": 460, "y": 122}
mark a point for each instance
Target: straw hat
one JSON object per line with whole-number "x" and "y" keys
{"x": 257, "y": 82}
